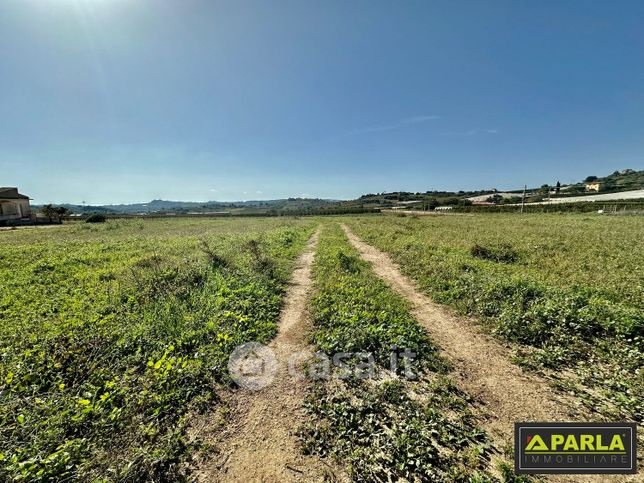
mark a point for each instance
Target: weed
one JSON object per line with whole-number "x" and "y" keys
{"x": 261, "y": 263}
{"x": 348, "y": 263}
{"x": 501, "y": 253}
{"x": 216, "y": 260}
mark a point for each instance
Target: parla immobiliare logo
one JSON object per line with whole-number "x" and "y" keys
{"x": 608, "y": 448}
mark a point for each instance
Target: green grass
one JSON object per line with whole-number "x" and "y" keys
{"x": 388, "y": 427}
{"x": 566, "y": 289}
{"x": 112, "y": 335}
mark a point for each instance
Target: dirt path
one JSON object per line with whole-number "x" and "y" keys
{"x": 259, "y": 441}
{"x": 482, "y": 366}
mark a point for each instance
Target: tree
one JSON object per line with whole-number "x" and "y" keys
{"x": 545, "y": 188}
{"x": 449, "y": 201}
{"x": 61, "y": 213}
{"x": 496, "y": 199}
{"x": 55, "y": 212}
{"x": 558, "y": 187}
{"x": 48, "y": 211}
{"x": 590, "y": 179}
{"x": 511, "y": 200}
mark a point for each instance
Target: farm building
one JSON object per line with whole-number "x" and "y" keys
{"x": 13, "y": 206}
{"x": 595, "y": 186}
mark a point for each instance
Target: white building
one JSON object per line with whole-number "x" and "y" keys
{"x": 13, "y": 205}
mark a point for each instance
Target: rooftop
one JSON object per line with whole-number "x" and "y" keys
{"x": 10, "y": 193}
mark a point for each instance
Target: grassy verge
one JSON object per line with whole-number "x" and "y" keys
{"x": 387, "y": 427}
{"x": 568, "y": 290}
{"x": 111, "y": 335}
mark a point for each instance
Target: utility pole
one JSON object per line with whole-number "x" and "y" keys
{"x": 525, "y": 186}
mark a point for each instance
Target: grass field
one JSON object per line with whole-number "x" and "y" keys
{"x": 387, "y": 427}
{"x": 113, "y": 335}
{"x": 567, "y": 289}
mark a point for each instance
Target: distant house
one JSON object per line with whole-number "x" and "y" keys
{"x": 13, "y": 206}
{"x": 594, "y": 186}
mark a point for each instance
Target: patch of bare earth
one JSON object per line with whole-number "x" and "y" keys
{"x": 258, "y": 441}
{"x": 483, "y": 367}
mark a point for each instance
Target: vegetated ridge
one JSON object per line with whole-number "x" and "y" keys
{"x": 618, "y": 181}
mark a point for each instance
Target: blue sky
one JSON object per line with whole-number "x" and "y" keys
{"x": 110, "y": 101}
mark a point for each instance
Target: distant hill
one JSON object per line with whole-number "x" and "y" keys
{"x": 160, "y": 206}
{"x": 625, "y": 180}
{"x": 618, "y": 181}
{"x": 185, "y": 207}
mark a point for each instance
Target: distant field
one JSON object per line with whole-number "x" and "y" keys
{"x": 623, "y": 195}
{"x": 567, "y": 289}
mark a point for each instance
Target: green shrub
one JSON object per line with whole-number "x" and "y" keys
{"x": 348, "y": 263}
{"x": 501, "y": 253}
{"x": 96, "y": 218}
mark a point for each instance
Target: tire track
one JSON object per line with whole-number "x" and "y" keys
{"x": 483, "y": 367}
{"x": 259, "y": 442}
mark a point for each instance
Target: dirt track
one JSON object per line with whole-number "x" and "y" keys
{"x": 482, "y": 366}
{"x": 260, "y": 442}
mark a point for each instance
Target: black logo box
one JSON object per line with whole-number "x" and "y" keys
{"x": 575, "y": 462}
